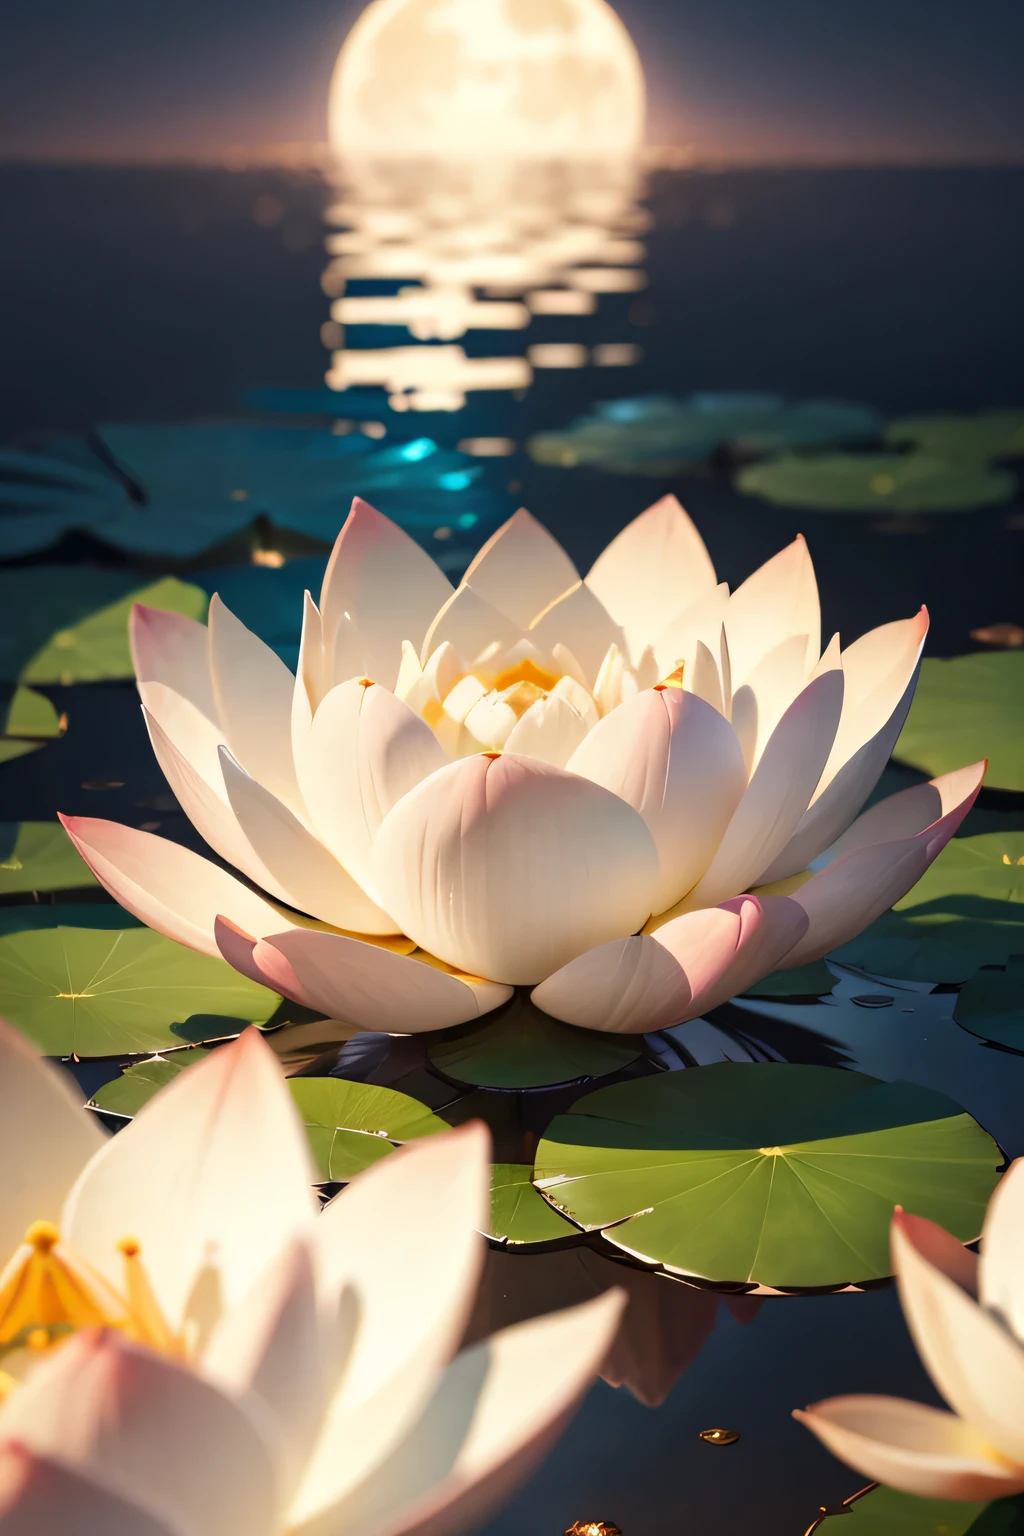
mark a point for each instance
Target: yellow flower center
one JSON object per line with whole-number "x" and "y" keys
{"x": 526, "y": 671}
{"x": 47, "y": 1291}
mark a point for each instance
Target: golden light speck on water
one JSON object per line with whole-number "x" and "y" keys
{"x": 719, "y": 1436}
{"x": 442, "y": 533}
{"x": 239, "y": 495}
{"x": 593, "y": 1528}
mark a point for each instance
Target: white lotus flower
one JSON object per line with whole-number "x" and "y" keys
{"x": 239, "y": 1363}
{"x": 594, "y": 801}
{"x": 967, "y": 1320}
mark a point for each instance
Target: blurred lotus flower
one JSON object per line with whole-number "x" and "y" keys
{"x": 204, "y": 1353}
{"x": 967, "y": 1319}
{"x": 501, "y": 785}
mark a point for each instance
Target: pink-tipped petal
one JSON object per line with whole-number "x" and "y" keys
{"x": 114, "y": 1409}
{"x": 651, "y": 572}
{"x": 390, "y": 587}
{"x": 941, "y": 1250}
{"x": 675, "y": 973}
{"x": 45, "y": 1496}
{"x": 521, "y": 569}
{"x": 923, "y": 1451}
{"x": 173, "y": 650}
{"x": 880, "y": 671}
{"x": 371, "y": 987}
{"x": 971, "y": 1356}
{"x": 168, "y": 887}
{"x": 868, "y": 876}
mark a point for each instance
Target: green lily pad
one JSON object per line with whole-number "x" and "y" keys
{"x": 519, "y": 1215}
{"x": 351, "y": 1125}
{"x": 28, "y": 722}
{"x": 991, "y": 1004}
{"x": 966, "y": 709}
{"x": 966, "y": 911}
{"x": 782, "y": 1175}
{"x": 521, "y": 1047}
{"x": 96, "y": 648}
{"x": 127, "y": 1094}
{"x": 877, "y": 482}
{"x": 657, "y": 435}
{"x": 39, "y": 856}
{"x": 813, "y": 980}
{"x": 102, "y": 992}
{"x": 988, "y": 435}
{"x": 879, "y": 1511}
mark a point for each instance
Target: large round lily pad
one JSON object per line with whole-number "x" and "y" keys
{"x": 784, "y": 1176}
{"x": 39, "y": 856}
{"x": 879, "y": 482}
{"x": 966, "y": 911}
{"x": 105, "y": 992}
{"x": 519, "y": 1215}
{"x": 879, "y": 1511}
{"x": 521, "y": 1047}
{"x": 988, "y": 435}
{"x": 965, "y": 709}
{"x": 991, "y": 1004}
{"x": 351, "y": 1125}
{"x": 130, "y": 1092}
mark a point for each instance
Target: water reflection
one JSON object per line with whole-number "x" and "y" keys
{"x": 664, "y": 1328}
{"x": 425, "y": 254}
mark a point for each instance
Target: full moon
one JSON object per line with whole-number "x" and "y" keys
{"x": 466, "y": 79}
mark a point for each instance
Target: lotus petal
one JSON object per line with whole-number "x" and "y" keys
{"x": 254, "y": 691}
{"x": 382, "y": 577}
{"x": 578, "y": 621}
{"x": 651, "y": 572}
{"x": 777, "y": 795}
{"x": 114, "y": 1409}
{"x": 508, "y": 867}
{"x": 172, "y": 649}
{"x": 45, "y": 1138}
{"x": 1001, "y": 1244}
{"x": 310, "y": 876}
{"x": 412, "y": 1276}
{"x": 551, "y": 729}
{"x": 496, "y": 1411}
{"x": 212, "y": 1179}
{"x": 168, "y": 887}
{"x": 521, "y": 569}
{"x": 974, "y": 1360}
{"x": 43, "y": 1494}
{"x": 920, "y": 1450}
{"x": 780, "y": 599}
{"x": 676, "y": 761}
{"x": 880, "y": 671}
{"x": 676, "y": 972}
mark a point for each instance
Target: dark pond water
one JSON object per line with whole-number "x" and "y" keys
{"x": 152, "y": 295}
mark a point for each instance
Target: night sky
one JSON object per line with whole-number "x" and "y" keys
{"x": 751, "y": 80}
